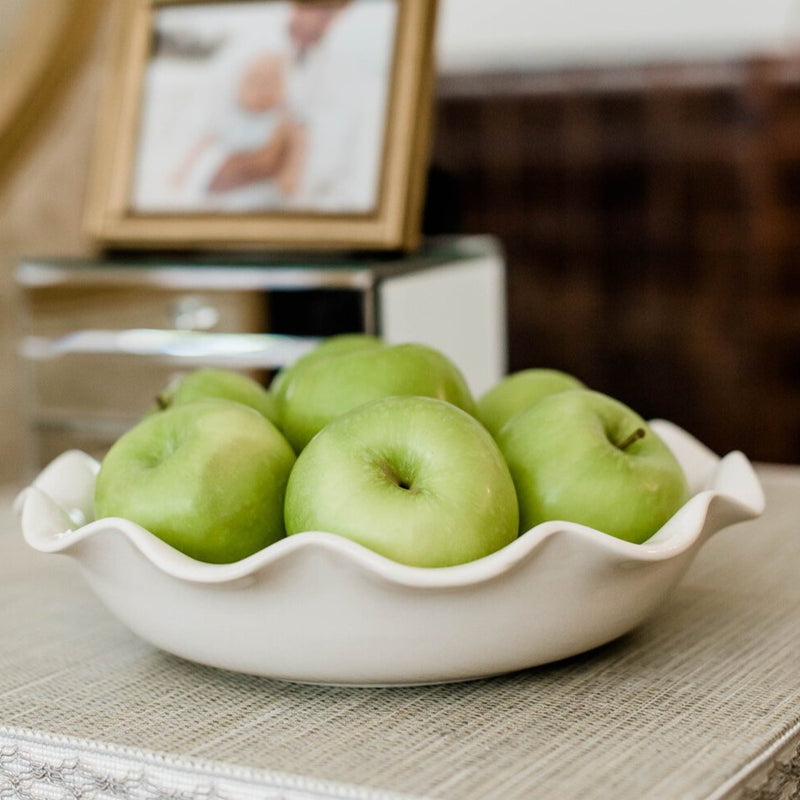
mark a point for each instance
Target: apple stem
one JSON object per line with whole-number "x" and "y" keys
{"x": 639, "y": 433}
{"x": 161, "y": 402}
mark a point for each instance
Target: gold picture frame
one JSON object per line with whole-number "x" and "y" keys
{"x": 382, "y": 212}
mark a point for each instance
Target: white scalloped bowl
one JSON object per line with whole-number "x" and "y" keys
{"x": 316, "y": 607}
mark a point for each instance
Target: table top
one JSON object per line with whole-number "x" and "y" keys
{"x": 250, "y": 271}
{"x": 702, "y": 701}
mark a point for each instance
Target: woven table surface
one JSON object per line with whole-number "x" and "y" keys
{"x": 703, "y": 701}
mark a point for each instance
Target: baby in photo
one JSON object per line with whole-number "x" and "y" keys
{"x": 254, "y": 132}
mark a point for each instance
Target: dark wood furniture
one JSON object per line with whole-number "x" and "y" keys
{"x": 649, "y": 216}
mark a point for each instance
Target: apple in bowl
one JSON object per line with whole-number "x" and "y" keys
{"x": 581, "y": 456}
{"x": 333, "y": 380}
{"x": 207, "y": 477}
{"x": 223, "y": 384}
{"x": 415, "y": 479}
{"x": 518, "y": 391}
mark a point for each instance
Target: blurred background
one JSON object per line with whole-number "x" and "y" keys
{"x": 638, "y": 161}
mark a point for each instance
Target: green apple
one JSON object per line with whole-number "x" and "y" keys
{"x": 332, "y": 385}
{"x": 223, "y": 384}
{"x": 519, "y": 391}
{"x": 412, "y": 478}
{"x": 340, "y": 343}
{"x": 208, "y": 477}
{"x": 584, "y": 457}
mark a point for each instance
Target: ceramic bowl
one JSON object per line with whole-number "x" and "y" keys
{"x": 316, "y": 607}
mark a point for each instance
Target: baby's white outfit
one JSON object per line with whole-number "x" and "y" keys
{"x": 236, "y": 131}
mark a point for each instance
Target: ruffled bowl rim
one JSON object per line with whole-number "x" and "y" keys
{"x": 55, "y": 507}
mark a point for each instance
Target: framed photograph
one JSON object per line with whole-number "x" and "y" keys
{"x": 274, "y": 124}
